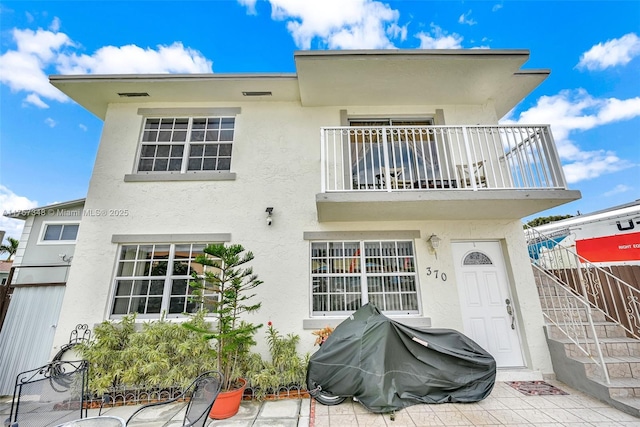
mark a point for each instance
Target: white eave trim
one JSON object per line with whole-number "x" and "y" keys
{"x": 24, "y": 213}
{"x": 167, "y": 77}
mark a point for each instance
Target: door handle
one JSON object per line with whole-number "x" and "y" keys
{"x": 510, "y": 313}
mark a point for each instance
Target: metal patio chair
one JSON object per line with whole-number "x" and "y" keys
{"x": 200, "y": 396}
{"x": 477, "y": 175}
{"x": 50, "y": 395}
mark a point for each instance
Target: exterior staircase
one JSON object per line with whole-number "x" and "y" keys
{"x": 582, "y": 371}
{"x": 591, "y": 350}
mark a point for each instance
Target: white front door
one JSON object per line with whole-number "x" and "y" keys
{"x": 487, "y": 306}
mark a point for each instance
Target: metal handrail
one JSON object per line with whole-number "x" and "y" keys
{"x": 401, "y": 158}
{"x": 571, "y": 315}
{"x": 615, "y": 298}
{"x": 574, "y": 288}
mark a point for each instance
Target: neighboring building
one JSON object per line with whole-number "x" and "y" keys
{"x": 336, "y": 178}
{"x": 605, "y": 238}
{"x": 36, "y": 288}
{"x": 5, "y": 267}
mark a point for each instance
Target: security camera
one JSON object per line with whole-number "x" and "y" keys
{"x": 269, "y": 219}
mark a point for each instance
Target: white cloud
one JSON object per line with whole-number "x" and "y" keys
{"x": 464, "y": 19}
{"x": 34, "y": 99}
{"x": 132, "y": 59}
{"x": 25, "y": 71}
{"x": 575, "y": 111}
{"x": 250, "y": 5}
{"x": 611, "y": 53}
{"x": 618, "y": 189}
{"x": 439, "y": 39}
{"x": 41, "y": 43}
{"x": 595, "y": 163}
{"x": 496, "y": 7}
{"x": 10, "y": 202}
{"x": 50, "y": 122}
{"x": 42, "y": 52}
{"x": 338, "y": 24}
{"x": 55, "y": 25}
{"x": 395, "y": 31}
{"x": 83, "y": 127}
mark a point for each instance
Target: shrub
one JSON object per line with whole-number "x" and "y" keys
{"x": 285, "y": 368}
{"x": 162, "y": 354}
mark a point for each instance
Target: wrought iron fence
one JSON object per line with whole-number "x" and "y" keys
{"x": 141, "y": 395}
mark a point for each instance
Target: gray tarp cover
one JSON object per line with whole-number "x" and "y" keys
{"x": 389, "y": 366}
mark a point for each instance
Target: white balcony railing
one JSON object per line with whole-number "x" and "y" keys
{"x": 409, "y": 158}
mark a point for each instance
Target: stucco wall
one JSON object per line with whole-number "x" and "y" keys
{"x": 276, "y": 158}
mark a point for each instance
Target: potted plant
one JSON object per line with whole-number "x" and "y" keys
{"x": 225, "y": 289}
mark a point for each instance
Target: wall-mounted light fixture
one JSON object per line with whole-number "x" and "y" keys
{"x": 434, "y": 242}
{"x": 269, "y": 218}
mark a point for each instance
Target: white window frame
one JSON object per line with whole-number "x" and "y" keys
{"x": 387, "y": 121}
{"x": 167, "y": 278}
{"x": 365, "y": 276}
{"x": 403, "y": 150}
{"x": 46, "y": 224}
{"x": 186, "y": 144}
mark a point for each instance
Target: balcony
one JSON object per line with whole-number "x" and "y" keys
{"x": 439, "y": 172}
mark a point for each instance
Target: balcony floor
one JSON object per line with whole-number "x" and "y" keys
{"x": 438, "y": 205}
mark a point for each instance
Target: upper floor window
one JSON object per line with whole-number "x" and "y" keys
{"x": 186, "y": 144}
{"x": 399, "y": 153}
{"x": 60, "y": 233}
{"x": 346, "y": 275}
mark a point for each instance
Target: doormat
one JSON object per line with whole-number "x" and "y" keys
{"x": 536, "y": 388}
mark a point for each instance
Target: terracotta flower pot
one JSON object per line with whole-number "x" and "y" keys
{"x": 227, "y": 403}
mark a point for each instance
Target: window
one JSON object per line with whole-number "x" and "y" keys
{"x": 154, "y": 278}
{"x": 186, "y": 144}
{"x": 402, "y": 150}
{"x": 60, "y": 232}
{"x": 346, "y": 275}
{"x": 477, "y": 258}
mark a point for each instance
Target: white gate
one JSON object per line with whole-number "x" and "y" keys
{"x": 27, "y": 334}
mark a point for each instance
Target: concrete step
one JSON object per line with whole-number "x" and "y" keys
{"x": 630, "y": 405}
{"x": 624, "y": 394}
{"x": 603, "y": 330}
{"x": 550, "y": 290}
{"x": 613, "y": 347}
{"x": 622, "y": 387}
{"x": 621, "y": 354}
{"x": 575, "y": 314}
{"x": 617, "y": 367}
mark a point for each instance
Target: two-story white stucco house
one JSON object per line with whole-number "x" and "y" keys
{"x": 366, "y": 176}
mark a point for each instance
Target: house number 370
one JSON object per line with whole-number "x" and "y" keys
{"x": 443, "y": 276}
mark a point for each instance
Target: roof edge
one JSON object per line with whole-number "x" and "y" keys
{"x": 411, "y": 52}
{"x": 142, "y": 77}
{"x": 25, "y": 213}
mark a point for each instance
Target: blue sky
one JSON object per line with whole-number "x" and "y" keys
{"x": 48, "y": 143}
